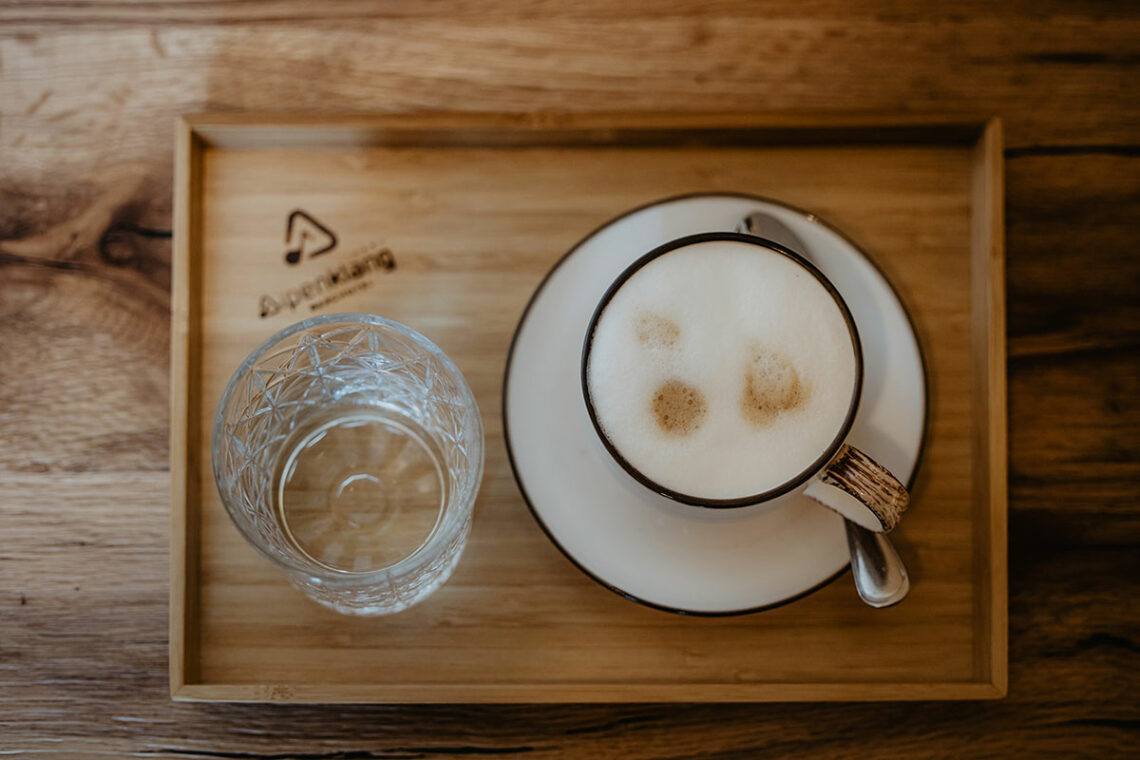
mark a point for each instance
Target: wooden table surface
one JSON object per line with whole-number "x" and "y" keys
{"x": 88, "y": 92}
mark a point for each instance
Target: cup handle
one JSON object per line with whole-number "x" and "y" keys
{"x": 862, "y": 490}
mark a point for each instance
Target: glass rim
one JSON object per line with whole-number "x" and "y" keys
{"x": 311, "y": 566}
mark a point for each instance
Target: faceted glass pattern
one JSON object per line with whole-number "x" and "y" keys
{"x": 310, "y": 370}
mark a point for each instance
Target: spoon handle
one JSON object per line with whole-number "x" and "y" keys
{"x": 880, "y": 576}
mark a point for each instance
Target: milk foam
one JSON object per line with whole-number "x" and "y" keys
{"x": 745, "y": 353}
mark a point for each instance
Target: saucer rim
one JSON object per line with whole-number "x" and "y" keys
{"x": 809, "y": 216}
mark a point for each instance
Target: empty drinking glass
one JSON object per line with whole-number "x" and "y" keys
{"x": 348, "y": 450}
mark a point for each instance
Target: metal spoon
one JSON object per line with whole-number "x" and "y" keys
{"x": 880, "y": 576}
{"x": 879, "y": 573}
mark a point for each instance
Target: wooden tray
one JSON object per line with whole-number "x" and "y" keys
{"x": 474, "y": 209}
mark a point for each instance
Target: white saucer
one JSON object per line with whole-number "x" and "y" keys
{"x": 644, "y": 546}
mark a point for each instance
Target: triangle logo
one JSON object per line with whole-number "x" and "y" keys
{"x": 305, "y": 237}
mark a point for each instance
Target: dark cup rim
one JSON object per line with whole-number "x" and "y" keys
{"x": 810, "y": 470}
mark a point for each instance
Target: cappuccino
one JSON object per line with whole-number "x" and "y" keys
{"x": 721, "y": 370}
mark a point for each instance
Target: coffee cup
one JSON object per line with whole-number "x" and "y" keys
{"x": 724, "y": 370}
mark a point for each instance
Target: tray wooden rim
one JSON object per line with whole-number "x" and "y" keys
{"x": 194, "y": 133}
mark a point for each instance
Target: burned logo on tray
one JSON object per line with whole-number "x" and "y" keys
{"x": 306, "y": 238}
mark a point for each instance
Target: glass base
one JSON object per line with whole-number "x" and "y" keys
{"x": 387, "y": 594}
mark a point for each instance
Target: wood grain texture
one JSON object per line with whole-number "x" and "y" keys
{"x": 88, "y": 93}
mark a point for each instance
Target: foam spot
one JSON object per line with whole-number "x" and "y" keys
{"x": 679, "y": 408}
{"x": 657, "y": 332}
{"x": 772, "y": 386}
